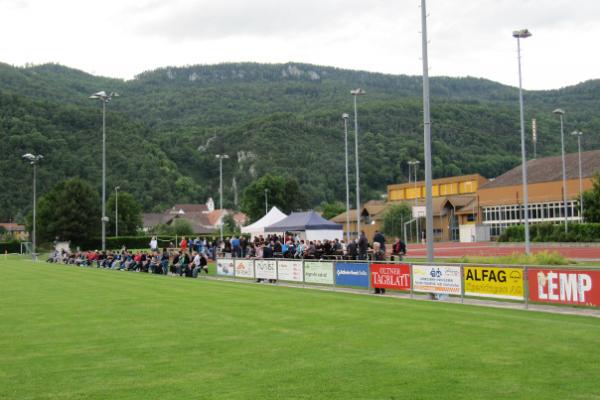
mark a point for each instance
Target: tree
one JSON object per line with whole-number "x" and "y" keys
{"x": 182, "y": 226}
{"x": 130, "y": 214}
{"x": 284, "y": 193}
{"x": 70, "y": 211}
{"x": 591, "y": 202}
{"x": 332, "y": 209}
{"x": 394, "y": 219}
{"x": 229, "y": 224}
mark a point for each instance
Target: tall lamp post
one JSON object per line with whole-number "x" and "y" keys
{"x": 427, "y": 137}
{"x": 356, "y": 93}
{"x": 579, "y": 134}
{"x": 561, "y": 113}
{"x": 345, "y": 117}
{"x": 33, "y": 160}
{"x": 104, "y": 98}
{"x": 221, "y": 157}
{"x": 523, "y": 34}
{"x": 117, "y": 210}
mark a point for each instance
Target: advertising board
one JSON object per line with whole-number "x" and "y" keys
{"x": 437, "y": 279}
{"x": 225, "y": 267}
{"x": 318, "y": 272}
{"x": 265, "y": 269}
{"x": 244, "y": 268}
{"x": 352, "y": 274}
{"x": 564, "y": 286}
{"x": 390, "y": 276}
{"x": 290, "y": 270}
{"x": 497, "y": 282}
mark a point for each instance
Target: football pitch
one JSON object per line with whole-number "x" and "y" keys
{"x": 82, "y": 333}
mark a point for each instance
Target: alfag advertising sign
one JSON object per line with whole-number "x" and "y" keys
{"x": 225, "y": 267}
{"x": 266, "y": 269}
{"x": 352, "y": 274}
{"x": 498, "y": 282}
{"x": 390, "y": 276}
{"x": 564, "y": 286}
{"x": 244, "y": 268}
{"x": 437, "y": 279}
{"x": 318, "y": 272}
{"x": 290, "y": 270}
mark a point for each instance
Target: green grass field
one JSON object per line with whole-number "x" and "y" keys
{"x": 79, "y": 333}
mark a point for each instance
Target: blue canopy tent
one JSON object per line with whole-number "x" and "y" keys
{"x": 309, "y": 225}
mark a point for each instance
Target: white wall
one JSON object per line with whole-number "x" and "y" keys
{"x": 325, "y": 234}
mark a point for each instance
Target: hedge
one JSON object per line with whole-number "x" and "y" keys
{"x": 131, "y": 242}
{"x": 589, "y": 232}
{"x": 10, "y": 247}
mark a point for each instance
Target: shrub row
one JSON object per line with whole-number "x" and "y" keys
{"x": 553, "y": 233}
{"x": 10, "y": 247}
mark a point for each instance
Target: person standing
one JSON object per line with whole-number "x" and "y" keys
{"x": 183, "y": 245}
{"x": 379, "y": 238}
{"x": 378, "y": 255}
{"x": 154, "y": 244}
{"x": 363, "y": 246}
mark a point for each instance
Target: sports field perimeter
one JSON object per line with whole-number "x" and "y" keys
{"x": 79, "y": 333}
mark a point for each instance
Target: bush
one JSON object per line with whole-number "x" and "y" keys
{"x": 131, "y": 242}
{"x": 553, "y": 233}
{"x": 13, "y": 246}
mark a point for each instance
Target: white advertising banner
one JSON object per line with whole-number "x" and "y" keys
{"x": 290, "y": 270}
{"x": 437, "y": 279}
{"x": 244, "y": 268}
{"x": 266, "y": 269}
{"x": 225, "y": 267}
{"x": 318, "y": 272}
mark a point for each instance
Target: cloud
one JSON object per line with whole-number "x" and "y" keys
{"x": 210, "y": 20}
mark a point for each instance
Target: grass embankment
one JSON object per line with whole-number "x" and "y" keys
{"x": 83, "y": 333}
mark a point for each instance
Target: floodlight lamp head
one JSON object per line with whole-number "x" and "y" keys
{"x": 576, "y": 133}
{"x": 521, "y": 34}
{"x": 29, "y": 156}
{"x": 357, "y": 92}
{"x": 559, "y": 111}
{"x": 345, "y": 116}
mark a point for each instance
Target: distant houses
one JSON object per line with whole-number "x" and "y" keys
{"x": 203, "y": 218}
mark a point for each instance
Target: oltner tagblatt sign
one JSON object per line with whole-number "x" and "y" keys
{"x": 565, "y": 286}
{"x": 390, "y": 276}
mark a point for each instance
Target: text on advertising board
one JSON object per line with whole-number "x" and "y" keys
{"x": 564, "y": 286}
{"x": 437, "y": 279}
{"x": 499, "y": 282}
{"x": 352, "y": 274}
{"x": 390, "y": 276}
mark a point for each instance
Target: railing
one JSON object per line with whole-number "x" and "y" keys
{"x": 540, "y": 284}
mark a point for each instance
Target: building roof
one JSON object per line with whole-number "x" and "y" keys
{"x": 187, "y": 208}
{"x": 549, "y": 169}
{"x": 12, "y": 227}
{"x": 153, "y": 219}
{"x": 450, "y": 179}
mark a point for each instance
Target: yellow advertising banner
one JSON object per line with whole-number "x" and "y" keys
{"x": 499, "y": 282}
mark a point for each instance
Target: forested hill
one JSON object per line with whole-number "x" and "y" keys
{"x": 168, "y": 124}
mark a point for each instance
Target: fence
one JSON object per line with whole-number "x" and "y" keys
{"x": 516, "y": 283}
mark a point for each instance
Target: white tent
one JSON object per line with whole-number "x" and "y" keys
{"x": 258, "y": 228}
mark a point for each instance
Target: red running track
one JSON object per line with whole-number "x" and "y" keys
{"x": 452, "y": 249}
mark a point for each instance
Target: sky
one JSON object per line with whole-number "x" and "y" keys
{"x": 122, "y": 38}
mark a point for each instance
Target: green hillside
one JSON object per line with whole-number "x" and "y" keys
{"x": 281, "y": 118}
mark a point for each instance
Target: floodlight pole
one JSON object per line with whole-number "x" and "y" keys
{"x": 356, "y": 93}
{"x": 117, "y": 211}
{"x": 578, "y": 134}
{"x": 427, "y": 137}
{"x": 345, "y": 117}
{"x": 104, "y": 98}
{"x": 522, "y": 34}
{"x": 561, "y": 114}
{"x": 221, "y": 157}
{"x": 33, "y": 160}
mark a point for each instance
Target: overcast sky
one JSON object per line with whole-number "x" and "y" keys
{"x": 121, "y": 38}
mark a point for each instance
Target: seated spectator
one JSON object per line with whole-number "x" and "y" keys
{"x": 398, "y": 249}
